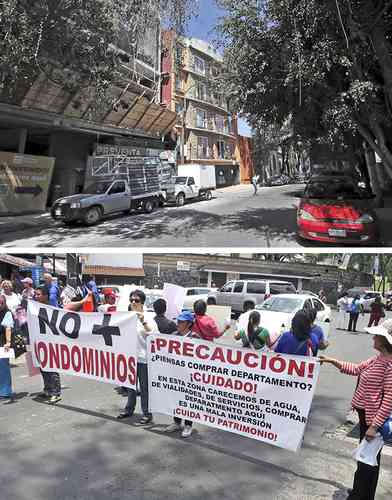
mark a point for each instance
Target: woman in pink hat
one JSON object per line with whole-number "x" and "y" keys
{"x": 372, "y": 400}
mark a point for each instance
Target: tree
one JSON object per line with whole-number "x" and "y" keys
{"x": 326, "y": 65}
{"x": 76, "y": 42}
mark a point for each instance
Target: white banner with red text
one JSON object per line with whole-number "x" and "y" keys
{"x": 257, "y": 394}
{"x": 91, "y": 345}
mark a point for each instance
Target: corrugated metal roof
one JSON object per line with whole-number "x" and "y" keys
{"x": 113, "y": 271}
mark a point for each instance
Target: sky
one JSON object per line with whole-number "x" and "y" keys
{"x": 202, "y": 27}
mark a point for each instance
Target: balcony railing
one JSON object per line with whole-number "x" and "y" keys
{"x": 200, "y": 153}
{"x": 209, "y": 125}
{"x": 209, "y": 99}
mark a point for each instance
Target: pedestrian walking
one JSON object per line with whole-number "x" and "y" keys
{"x": 255, "y": 336}
{"x": 343, "y": 305}
{"x": 255, "y": 181}
{"x": 6, "y": 325}
{"x": 184, "y": 329}
{"x": 372, "y": 400}
{"x": 52, "y": 384}
{"x": 377, "y": 311}
{"x": 204, "y": 326}
{"x": 165, "y": 325}
{"x": 144, "y": 328}
{"x": 355, "y": 309}
{"x": 299, "y": 340}
{"x": 322, "y": 296}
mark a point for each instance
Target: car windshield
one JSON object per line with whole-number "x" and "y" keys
{"x": 181, "y": 180}
{"x": 336, "y": 188}
{"x": 281, "y": 304}
{"x": 97, "y": 187}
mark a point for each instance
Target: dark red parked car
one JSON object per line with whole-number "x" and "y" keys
{"x": 337, "y": 210}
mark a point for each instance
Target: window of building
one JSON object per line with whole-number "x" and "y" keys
{"x": 178, "y": 83}
{"x": 220, "y": 123}
{"x": 179, "y": 107}
{"x": 202, "y": 147}
{"x": 201, "y": 91}
{"x": 199, "y": 65}
{"x": 221, "y": 149}
{"x": 201, "y": 118}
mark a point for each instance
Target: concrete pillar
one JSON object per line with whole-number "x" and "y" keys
{"x": 299, "y": 285}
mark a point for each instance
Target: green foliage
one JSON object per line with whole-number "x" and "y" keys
{"x": 74, "y": 42}
{"x": 325, "y": 64}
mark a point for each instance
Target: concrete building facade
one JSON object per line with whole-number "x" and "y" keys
{"x": 206, "y": 129}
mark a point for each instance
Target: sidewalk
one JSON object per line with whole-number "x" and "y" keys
{"x": 22, "y": 222}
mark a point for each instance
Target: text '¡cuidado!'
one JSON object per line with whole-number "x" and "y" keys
{"x": 249, "y": 359}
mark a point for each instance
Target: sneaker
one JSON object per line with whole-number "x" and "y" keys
{"x": 187, "y": 431}
{"x": 145, "y": 420}
{"x": 124, "y": 414}
{"x": 173, "y": 428}
{"x": 53, "y": 399}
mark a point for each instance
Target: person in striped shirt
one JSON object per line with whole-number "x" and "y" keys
{"x": 372, "y": 400}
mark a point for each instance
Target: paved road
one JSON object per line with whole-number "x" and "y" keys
{"x": 233, "y": 218}
{"x": 77, "y": 450}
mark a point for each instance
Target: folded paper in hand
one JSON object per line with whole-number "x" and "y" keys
{"x": 367, "y": 451}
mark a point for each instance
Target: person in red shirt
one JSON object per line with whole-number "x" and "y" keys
{"x": 109, "y": 305}
{"x": 204, "y": 326}
{"x": 372, "y": 400}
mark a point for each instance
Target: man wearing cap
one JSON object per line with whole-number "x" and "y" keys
{"x": 184, "y": 329}
{"x": 28, "y": 290}
{"x": 372, "y": 400}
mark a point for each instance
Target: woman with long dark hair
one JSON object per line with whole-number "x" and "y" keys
{"x": 6, "y": 325}
{"x": 255, "y": 335}
{"x": 299, "y": 341}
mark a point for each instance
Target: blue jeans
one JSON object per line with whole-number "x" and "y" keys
{"x": 142, "y": 376}
{"x": 5, "y": 378}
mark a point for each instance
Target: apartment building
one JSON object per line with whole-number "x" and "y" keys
{"x": 206, "y": 130}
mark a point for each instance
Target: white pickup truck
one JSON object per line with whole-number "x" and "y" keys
{"x": 193, "y": 181}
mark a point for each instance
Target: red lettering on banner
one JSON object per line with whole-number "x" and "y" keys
{"x": 65, "y": 357}
{"x": 236, "y": 360}
{"x": 96, "y": 353}
{"x": 113, "y": 363}
{"x": 41, "y": 347}
{"x": 187, "y": 349}
{"x": 198, "y": 352}
{"x": 160, "y": 343}
{"x": 218, "y": 355}
{"x": 105, "y": 364}
{"x": 75, "y": 353}
{"x": 88, "y": 360}
{"x": 175, "y": 347}
{"x": 132, "y": 370}
{"x": 296, "y": 366}
{"x": 54, "y": 356}
{"x": 121, "y": 368}
{"x": 310, "y": 370}
{"x": 277, "y": 364}
{"x": 247, "y": 361}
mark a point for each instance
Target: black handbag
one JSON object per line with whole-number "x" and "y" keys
{"x": 18, "y": 344}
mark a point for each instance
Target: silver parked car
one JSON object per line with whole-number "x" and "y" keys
{"x": 242, "y": 295}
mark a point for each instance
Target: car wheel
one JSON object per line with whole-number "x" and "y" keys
{"x": 92, "y": 216}
{"x": 208, "y": 195}
{"x": 180, "y": 200}
{"x": 148, "y": 206}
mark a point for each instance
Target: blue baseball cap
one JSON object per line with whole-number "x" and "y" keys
{"x": 186, "y": 316}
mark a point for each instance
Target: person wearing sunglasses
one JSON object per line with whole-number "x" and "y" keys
{"x": 145, "y": 327}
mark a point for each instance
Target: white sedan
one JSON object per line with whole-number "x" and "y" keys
{"x": 196, "y": 293}
{"x": 278, "y": 311}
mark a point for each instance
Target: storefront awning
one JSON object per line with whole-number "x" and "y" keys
{"x": 114, "y": 271}
{"x": 21, "y": 263}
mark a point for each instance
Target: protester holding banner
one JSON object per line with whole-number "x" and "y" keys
{"x": 372, "y": 400}
{"x": 164, "y": 324}
{"x": 12, "y": 299}
{"x": 109, "y": 305}
{"x": 255, "y": 336}
{"x": 184, "y": 328}
{"x": 52, "y": 384}
{"x": 299, "y": 341}
{"x": 145, "y": 327}
{"x": 317, "y": 330}
{"x": 204, "y": 326}
{"x": 6, "y": 325}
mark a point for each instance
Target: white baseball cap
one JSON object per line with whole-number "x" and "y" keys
{"x": 385, "y": 330}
